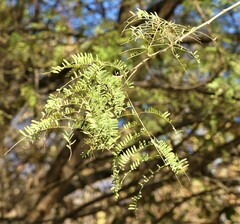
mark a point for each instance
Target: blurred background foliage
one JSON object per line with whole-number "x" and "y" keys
{"x": 39, "y": 185}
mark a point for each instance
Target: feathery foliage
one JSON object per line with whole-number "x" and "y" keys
{"x": 91, "y": 102}
{"x": 95, "y": 98}
{"x": 155, "y": 35}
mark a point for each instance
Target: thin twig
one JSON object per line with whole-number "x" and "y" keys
{"x": 14, "y": 145}
{"x": 210, "y": 20}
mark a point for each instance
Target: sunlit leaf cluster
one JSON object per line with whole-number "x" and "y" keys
{"x": 155, "y": 35}
{"x": 96, "y": 96}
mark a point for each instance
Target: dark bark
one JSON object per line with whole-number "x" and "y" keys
{"x": 165, "y": 8}
{"x": 124, "y": 12}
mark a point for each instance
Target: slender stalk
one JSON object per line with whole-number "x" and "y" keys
{"x": 209, "y": 21}
{"x": 14, "y": 146}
